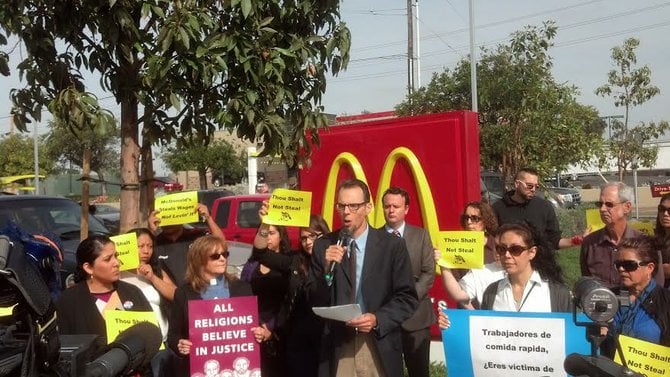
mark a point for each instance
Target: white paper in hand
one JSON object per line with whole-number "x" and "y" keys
{"x": 342, "y": 313}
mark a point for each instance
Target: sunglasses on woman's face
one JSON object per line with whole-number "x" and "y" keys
{"x": 514, "y": 250}
{"x": 468, "y": 218}
{"x": 217, "y": 256}
{"x": 629, "y": 265}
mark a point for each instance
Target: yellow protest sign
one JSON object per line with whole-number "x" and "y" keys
{"x": 461, "y": 249}
{"x": 646, "y": 227}
{"x": 593, "y": 219}
{"x": 126, "y": 248}
{"x": 178, "y": 208}
{"x": 118, "y": 320}
{"x": 652, "y": 360}
{"x": 289, "y": 208}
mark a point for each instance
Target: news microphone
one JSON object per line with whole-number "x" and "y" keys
{"x": 132, "y": 349}
{"x": 591, "y": 366}
{"x": 343, "y": 240}
{"x": 598, "y": 303}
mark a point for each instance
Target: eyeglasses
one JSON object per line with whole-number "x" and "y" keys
{"x": 514, "y": 250}
{"x": 662, "y": 210}
{"x": 353, "y": 207}
{"x": 529, "y": 186}
{"x": 629, "y": 265}
{"x": 311, "y": 236}
{"x": 609, "y": 205}
{"x": 474, "y": 218}
{"x": 217, "y": 256}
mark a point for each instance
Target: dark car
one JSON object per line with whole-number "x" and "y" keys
{"x": 108, "y": 214}
{"x": 50, "y": 215}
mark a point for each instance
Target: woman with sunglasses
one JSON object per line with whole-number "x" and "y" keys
{"x": 468, "y": 291}
{"x": 662, "y": 233}
{"x": 300, "y": 327}
{"x": 533, "y": 282}
{"x": 533, "y": 279}
{"x": 206, "y": 278}
{"x": 648, "y": 315}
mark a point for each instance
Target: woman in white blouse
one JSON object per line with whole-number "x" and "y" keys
{"x": 533, "y": 280}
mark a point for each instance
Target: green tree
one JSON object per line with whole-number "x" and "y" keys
{"x": 103, "y": 144}
{"x": 217, "y": 157}
{"x": 257, "y": 68}
{"x": 630, "y": 87}
{"x": 525, "y": 116}
{"x": 17, "y": 156}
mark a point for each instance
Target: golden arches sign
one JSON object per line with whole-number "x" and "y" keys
{"x": 376, "y": 217}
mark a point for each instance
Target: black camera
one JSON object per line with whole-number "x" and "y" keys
{"x": 29, "y": 341}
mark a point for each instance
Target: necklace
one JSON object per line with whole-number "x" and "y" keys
{"x": 519, "y": 303}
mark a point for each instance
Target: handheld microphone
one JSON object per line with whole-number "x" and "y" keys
{"x": 132, "y": 349}
{"x": 343, "y": 240}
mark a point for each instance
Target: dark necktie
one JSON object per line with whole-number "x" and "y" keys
{"x": 396, "y": 233}
{"x": 352, "y": 269}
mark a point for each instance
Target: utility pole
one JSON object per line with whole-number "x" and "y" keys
{"x": 410, "y": 48}
{"x": 473, "y": 58}
{"x": 417, "y": 50}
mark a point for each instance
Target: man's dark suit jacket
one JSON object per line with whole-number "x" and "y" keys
{"x": 388, "y": 292}
{"x": 420, "y": 250}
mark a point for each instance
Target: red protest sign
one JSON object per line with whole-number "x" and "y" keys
{"x": 223, "y": 344}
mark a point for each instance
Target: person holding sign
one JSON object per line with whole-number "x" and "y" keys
{"x": 98, "y": 288}
{"x": 372, "y": 270}
{"x": 155, "y": 284}
{"x": 647, "y": 317}
{"x": 662, "y": 233}
{"x": 297, "y": 321}
{"x": 468, "y": 292}
{"x": 172, "y": 242}
{"x": 206, "y": 278}
{"x": 534, "y": 281}
{"x": 271, "y": 287}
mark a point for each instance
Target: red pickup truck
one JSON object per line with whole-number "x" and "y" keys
{"x": 238, "y": 218}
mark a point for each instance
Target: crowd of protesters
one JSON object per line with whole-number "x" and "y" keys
{"x": 382, "y": 270}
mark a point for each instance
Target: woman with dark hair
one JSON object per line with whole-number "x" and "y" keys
{"x": 468, "y": 291}
{"x": 206, "y": 278}
{"x": 534, "y": 281}
{"x": 648, "y": 315}
{"x": 270, "y": 285}
{"x": 662, "y": 233}
{"x": 154, "y": 283}
{"x": 298, "y": 328}
{"x": 480, "y": 216}
{"x": 97, "y": 288}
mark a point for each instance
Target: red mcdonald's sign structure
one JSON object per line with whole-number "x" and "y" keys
{"x": 434, "y": 157}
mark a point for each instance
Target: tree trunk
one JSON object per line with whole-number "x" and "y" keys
{"x": 103, "y": 185}
{"x": 202, "y": 175}
{"x": 147, "y": 188}
{"x": 130, "y": 151}
{"x": 85, "y": 188}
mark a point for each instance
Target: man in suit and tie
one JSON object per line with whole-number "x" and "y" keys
{"x": 374, "y": 271}
{"x": 415, "y": 330}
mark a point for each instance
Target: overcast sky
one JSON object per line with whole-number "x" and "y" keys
{"x": 376, "y": 79}
{"x": 377, "y": 75}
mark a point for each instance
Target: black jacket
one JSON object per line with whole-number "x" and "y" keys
{"x": 538, "y": 212}
{"x": 78, "y": 314}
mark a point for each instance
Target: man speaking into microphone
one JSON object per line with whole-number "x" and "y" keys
{"x": 373, "y": 270}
